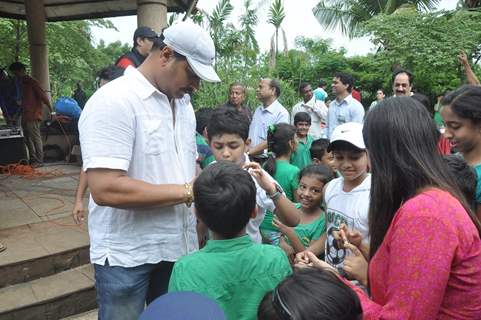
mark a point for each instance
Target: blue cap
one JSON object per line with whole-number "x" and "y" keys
{"x": 183, "y": 306}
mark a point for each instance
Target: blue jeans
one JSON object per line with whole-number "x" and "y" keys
{"x": 123, "y": 292}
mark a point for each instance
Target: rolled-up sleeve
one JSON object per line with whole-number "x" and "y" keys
{"x": 107, "y": 134}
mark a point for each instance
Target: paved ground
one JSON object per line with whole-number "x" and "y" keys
{"x": 29, "y": 200}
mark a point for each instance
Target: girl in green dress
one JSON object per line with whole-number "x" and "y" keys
{"x": 313, "y": 178}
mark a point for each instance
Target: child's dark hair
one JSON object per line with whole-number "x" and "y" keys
{"x": 278, "y": 137}
{"x": 465, "y": 102}
{"x": 319, "y": 148}
{"x": 302, "y": 117}
{"x": 225, "y": 197}
{"x": 323, "y": 173}
{"x": 110, "y": 73}
{"x": 202, "y": 117}
{"x": 228, "y": 121}
{"x": 329, "y": 298}
{"x": 341, "y": 145}
{"x": 424, "y": 101}
{"x": 465, "y": 178}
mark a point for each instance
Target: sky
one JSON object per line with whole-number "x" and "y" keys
{"x": 299, "y": 21}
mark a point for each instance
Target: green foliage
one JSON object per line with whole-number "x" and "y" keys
{"x": 427, "y": 44}
{"x": 71, "y": 54}
{"x": 276, "y": 13}
{"x": 348, "y": 15}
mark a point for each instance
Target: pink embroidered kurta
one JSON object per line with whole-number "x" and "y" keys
{"x": 429, "y": 264}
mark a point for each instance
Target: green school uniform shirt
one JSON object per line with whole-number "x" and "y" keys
{"x": 478, "y": 182}
{"x": 287, "y": 175}
{"x": 203, "y": 150}
{"x": 237, "y": 273}
{"x": 310, "y": 231}
{"x": 302, "y": 157}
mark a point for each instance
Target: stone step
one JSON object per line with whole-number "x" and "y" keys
{"x": 50, "y": 298}
{"x": 89, "y": 315}
{"x": 41, "y": 249}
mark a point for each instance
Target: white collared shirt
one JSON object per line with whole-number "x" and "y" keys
{"x": 318, "y": 112}
{"x": 263, "y": 117}
{"x": 128, "y": 125}
{"x": 347, "y": 110}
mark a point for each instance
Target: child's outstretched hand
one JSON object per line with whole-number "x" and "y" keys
{"x": 356, "y": 265}
{"x": 309, "y": 259}
{"x": 261, "y": 177}
{"x": 279, "y": 225}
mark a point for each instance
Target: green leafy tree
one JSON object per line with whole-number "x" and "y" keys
{"x": 349, "y": 14}
{"x": 427, "y": 44}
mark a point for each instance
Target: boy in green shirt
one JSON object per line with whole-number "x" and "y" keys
{"x": 301, "y": 158}
{"x": 231, "y": 268}
{"x": 228, "y": 133}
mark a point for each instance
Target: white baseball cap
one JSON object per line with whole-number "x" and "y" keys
{"x": 349, "y": 132}
{"x": 193, "y": 42}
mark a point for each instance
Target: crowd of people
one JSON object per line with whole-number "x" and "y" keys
{"x": 325, "y": 212}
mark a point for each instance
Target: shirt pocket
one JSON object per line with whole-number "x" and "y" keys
{"x": 157, "y": 136}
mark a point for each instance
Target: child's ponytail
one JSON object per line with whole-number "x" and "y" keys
{"x": 270, "y": 165}
{"x": 278, "y": 138}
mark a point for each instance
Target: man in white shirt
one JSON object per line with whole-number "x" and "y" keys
{"x": 344, "y": 108}
{"x": 137, "y": 135}
{"x": 270, "y": 112}
{"x": 315, "y": 108}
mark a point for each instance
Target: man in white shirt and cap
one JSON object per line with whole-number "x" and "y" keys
{"x": 137, "y": 135}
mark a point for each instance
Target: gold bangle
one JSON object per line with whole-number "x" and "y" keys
{"x": 190, "y": 194}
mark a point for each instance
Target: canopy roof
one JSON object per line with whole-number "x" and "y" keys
{"x": 61, "y": 10}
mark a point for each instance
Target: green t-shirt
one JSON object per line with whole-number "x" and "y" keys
{"x": 478, "y": 182}
{"x": 438, "y": 119}
{"x": 287, "y": 175}
{"x": 237, "y": 273}
{"x": 203, "y": 150}
{"x": 310, "y": 231}
{"x": 302, "y": 157}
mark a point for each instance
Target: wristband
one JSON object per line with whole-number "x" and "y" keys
{"x": 190, "y": 194}
{"x": 276, "y": 195}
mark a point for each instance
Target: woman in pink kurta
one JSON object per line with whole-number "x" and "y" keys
{"x": 425, "y": 243}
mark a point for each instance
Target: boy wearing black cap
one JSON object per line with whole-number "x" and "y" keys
{"x": 231, "y": 268}
{"x": 143, "y": 40}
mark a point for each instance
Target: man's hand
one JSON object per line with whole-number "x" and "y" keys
{"x": 262, "y": 179}
{"x": 78, "y": 212}
{"x": 356, "y": 265}
{"x": 463, "y": 58}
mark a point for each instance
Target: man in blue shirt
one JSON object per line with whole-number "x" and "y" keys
{"x": 344, "y": 108}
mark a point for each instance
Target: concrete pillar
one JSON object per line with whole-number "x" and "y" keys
{"x": 35, "y": 13}
{"x": 152, "y": 13}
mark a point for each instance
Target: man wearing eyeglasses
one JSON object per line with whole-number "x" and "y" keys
{"x": 137, "y": 135}
{"x": 143, "y": 40}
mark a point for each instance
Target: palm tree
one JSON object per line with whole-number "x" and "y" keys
{"x": 349, "y": 14}
{"x": 248, "y": 22}
{"x": 276, "y": 16}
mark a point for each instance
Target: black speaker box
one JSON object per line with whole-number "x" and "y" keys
{"x": 12, "y": 150}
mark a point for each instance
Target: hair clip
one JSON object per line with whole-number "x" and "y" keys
{"x": 280, "y": 307}
{"x": 272, "y": 128}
